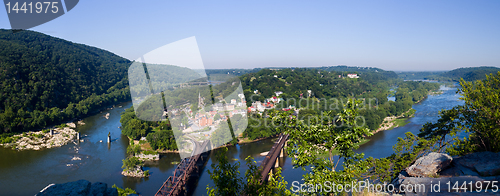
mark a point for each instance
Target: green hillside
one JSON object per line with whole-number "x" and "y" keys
{"x": 470, "y": 73}
{"x": 43, "y": 75}
{"x": 467, "y": 73}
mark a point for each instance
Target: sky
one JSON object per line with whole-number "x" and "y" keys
{"x": 392, "y": 35}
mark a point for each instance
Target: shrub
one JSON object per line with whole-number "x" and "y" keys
{"x": 130, "y": 163}
{"x": 149, "y": 152}
{"x": 146, "y": 173}
{"x": 62, "y": 125}
{"x": 6, "y": 140}
{"x": 124, "y": 192}
{"x": 133, "y": 149}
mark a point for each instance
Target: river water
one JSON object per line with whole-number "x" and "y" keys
{"x": 27, "y": 172}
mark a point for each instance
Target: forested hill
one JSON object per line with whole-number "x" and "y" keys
{"x": 470, "y": 73}
{"x": 467, "y": 73}
{"x": 41, "y": 73}
{"x": 339, "y": 68}
{"x": 295, "y": 81}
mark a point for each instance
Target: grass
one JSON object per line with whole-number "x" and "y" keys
{"x": 399, "y": 122}
{"x": 326, "y": 154}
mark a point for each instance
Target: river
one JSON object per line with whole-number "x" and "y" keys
{"x": 27, "y": 172}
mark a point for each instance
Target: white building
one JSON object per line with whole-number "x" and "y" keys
{"x": 278, "y": 93}
{"x": 352, "y": 76}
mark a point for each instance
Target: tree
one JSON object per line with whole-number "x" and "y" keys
{"x": 228, "y": 182}
{"x": 479, "y": 117}
{"x": 124, "y": 192}
{"x": 225, "y": 176}
{"x": 338, "y": 136}
{"x": 130, "y": 163}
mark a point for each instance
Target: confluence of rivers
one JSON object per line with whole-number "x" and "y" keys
{"x": 27, "y": 172}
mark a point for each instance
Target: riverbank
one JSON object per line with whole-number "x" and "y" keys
{"x": 392, "y": 122}
{"x": 41, "y": 139}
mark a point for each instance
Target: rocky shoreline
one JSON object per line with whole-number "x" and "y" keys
{"x": 42, "y": 139}
{"x": 137, "y": 172}
{"x": 148, "y": 157}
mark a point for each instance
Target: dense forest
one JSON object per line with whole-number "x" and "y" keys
{"x": 467, "y": 73}
{"x": 159, "y": 134}
{"x": 295, "y": 81}
{"x": 329, "y": 92}
{"x": 46, "y": 80}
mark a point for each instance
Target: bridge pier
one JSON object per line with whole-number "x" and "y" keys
{"x": 270, "y": 174}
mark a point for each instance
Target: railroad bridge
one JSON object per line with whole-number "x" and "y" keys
{"x": 187, "y": 171}
{"x": 272, "y": 158}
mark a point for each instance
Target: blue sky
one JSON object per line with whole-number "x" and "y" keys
{"x": 392, "y": 35}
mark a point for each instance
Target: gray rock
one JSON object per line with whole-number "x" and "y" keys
{"x": 485, "y": 163}
{"x": 458, "y": 170}
{"x": 79, "y": 188}
{"x": 111, "y": 192}
{"x": 431, "y": 186}
{"x": 98, "y": 187}
{"x": 429, "y": 165}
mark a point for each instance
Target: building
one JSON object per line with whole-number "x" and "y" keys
{"x": 204, "y": 121}
{"x": 278, "y": 93}
{"x": 218, "y": 107}
{"x": 229, "y": 107}
{"x": 251, "y": 109}
{"x": 352, "y": 76}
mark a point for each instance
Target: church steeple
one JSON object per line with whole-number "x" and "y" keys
{"x": 200, "y": 101}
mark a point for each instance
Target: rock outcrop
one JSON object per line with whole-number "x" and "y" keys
{"x": 437, "y": 170}
{"x": 137, "y": 172}
{"x": 39, "y": 140}
{"x": 430, "y": 165}
{"x": 475, "y": 164}
{"x": 148, "y": 157}
{"x": 79, "y": 188}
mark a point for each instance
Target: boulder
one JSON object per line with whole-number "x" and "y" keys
{"x": 429, "y": 165}
{"x": 433, "y": 186}
{"x": 485, "y": 163}
{"x": 79, "y": 188}
{"x": 72, "y": 125}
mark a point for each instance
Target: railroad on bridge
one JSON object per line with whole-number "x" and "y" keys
{"x": 185, "y": 171}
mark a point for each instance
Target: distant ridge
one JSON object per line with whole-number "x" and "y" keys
{"x": 467, "y": 73}
{"x": 338, "y": 68}
{"x": 470, "y": 73}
